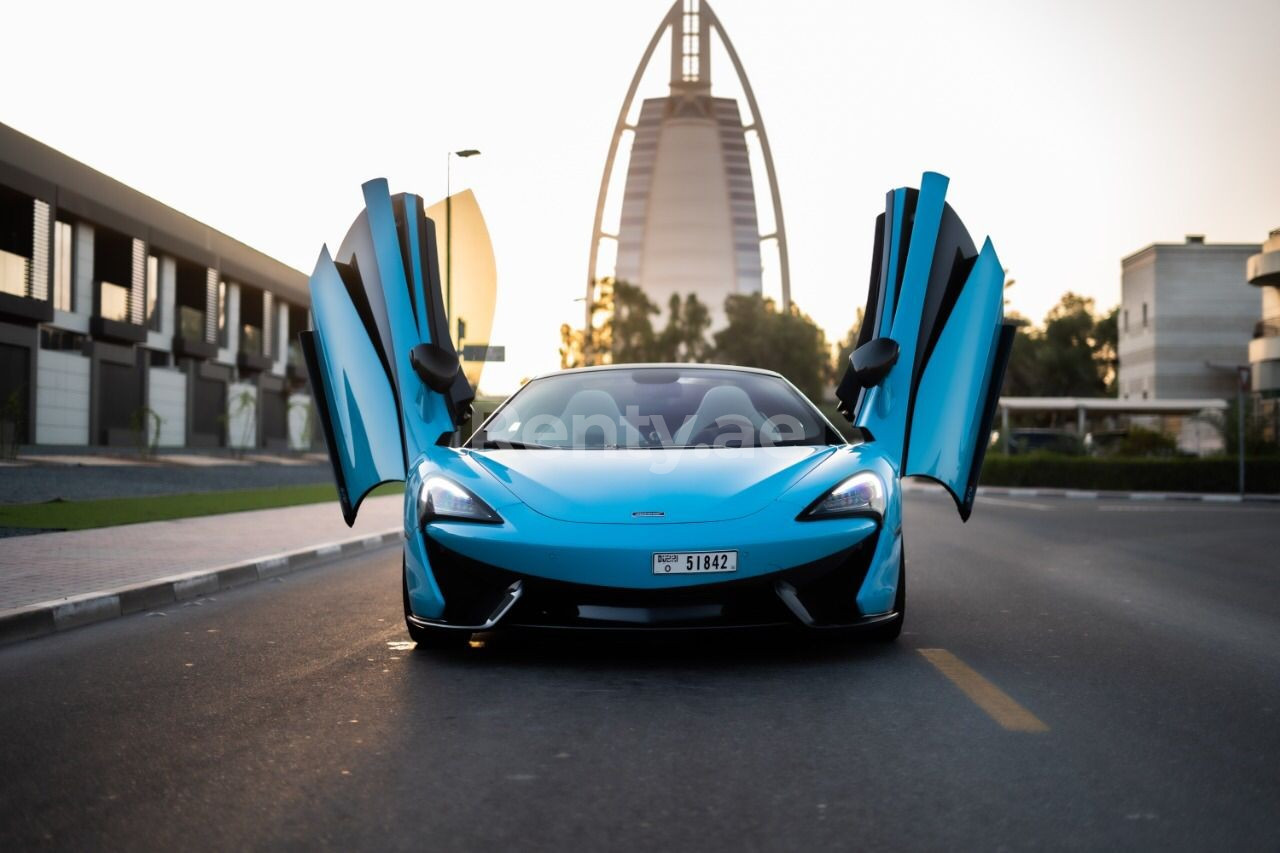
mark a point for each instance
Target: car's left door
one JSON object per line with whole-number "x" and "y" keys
{"x": 375, "y": 308}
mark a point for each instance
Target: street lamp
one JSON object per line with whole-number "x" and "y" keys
{"x": 448, "y": 225}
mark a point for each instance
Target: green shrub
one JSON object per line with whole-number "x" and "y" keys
{"x": 1139, "y": 441}
{"x": 1054, "y": 471}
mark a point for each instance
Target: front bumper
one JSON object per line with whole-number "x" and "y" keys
{"x": 820, "y": 594}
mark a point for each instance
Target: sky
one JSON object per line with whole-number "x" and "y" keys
{"x": 1074, "y": 133}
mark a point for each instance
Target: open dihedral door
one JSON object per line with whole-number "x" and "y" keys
{"x": 942, "y": 302}
{"x": 377, "y": 316}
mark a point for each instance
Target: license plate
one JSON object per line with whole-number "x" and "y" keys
{"x": 694, "y": 562}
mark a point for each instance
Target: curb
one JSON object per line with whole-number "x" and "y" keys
{"x": 63, "y": 614}
{"x": 1092, "y": 494}
{"x": 1087, "y": 494}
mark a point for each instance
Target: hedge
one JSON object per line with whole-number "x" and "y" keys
{"x": 1178, "y": 474}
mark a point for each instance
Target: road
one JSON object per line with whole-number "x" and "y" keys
{"x": 1073, "y": 675}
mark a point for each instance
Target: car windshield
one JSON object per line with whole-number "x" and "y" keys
{"x": 655, "y": 407}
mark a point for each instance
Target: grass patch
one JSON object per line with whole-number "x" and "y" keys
{"x": 82, "y": 515}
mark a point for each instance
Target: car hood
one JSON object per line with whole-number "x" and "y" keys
{"x": 650, "y": 486}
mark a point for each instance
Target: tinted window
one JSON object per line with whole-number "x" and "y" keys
{"x": 657, "y": 407}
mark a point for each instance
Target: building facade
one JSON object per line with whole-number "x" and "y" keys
{"x": 688, "y": 220}
{"x": 1264, "y": 349}
{"x": 1186, "y": 316}
{"x": 124, "y": 322}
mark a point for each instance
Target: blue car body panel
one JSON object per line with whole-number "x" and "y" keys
{"x": 575, "y": 518}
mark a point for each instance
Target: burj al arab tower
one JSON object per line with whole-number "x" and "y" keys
{"x": 688, "y": 221}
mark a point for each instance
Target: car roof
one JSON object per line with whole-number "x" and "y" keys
{"x": 597, "y": 368}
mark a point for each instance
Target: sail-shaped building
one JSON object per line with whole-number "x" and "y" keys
{"x": 688, "y": 219}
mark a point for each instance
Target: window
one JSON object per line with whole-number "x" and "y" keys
{"x": 251, "y": 339}
{"x": 17, "y": 230}
{"x": 60, "y": 339}
{"x": 1144, "y": 315}
{"x": 114, "y": 302}
{"x": 63, "y": 241}
{"x": 113, "y": 268}
{"x": 189, "y": 294}
{"x": 252, "y": 320}
{"x": 152, "y": 319}
{"x": 222, "y": 313}
{"x": 190, "y": 323}
{"x": 646, "y": 407}
{"x": 1126, "y": 320}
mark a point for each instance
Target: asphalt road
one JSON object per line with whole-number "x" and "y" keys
{"x": 1074, "y": 674}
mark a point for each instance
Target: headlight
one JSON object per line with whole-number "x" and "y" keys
{"x": 441, "y": 498}
{"x": 861, "y": 494}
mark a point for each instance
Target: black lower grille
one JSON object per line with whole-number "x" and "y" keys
{"x": 827, "y": 587}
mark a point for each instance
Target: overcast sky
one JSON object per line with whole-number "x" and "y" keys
{"x": 1074, "y": 132}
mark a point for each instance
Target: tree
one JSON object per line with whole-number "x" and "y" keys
{"x": 622, "y": 329}
{"x": 633, "y": 338}
{"x": 685, "y": 336}
{"x": 1072, "y": 355}
{"x": 848, "y": 344}
{"x": 1106, "y": 349}
{"x": 584, "y": 347}
{"x": 759, "y": 335}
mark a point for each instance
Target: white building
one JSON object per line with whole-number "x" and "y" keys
{"x": 1184, "y": 306}
{"x": 1264, "y": 349}
{"x": 688, "y": 217}
{"x": 123, "y": 320}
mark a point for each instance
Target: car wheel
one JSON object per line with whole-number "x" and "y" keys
{"x": 887, "y": 632}
{"x": 427, "y": 637}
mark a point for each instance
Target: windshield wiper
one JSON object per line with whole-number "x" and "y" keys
{"x": 503, "y": 444}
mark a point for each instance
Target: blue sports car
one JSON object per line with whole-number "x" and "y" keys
{"x": 656, "y": 496}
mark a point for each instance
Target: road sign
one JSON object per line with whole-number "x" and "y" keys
{"x": 483, "y": 352}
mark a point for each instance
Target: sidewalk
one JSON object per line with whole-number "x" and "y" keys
{"x": 52, "y": 581}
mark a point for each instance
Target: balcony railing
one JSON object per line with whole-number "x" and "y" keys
{"x": 1267, "y": 328}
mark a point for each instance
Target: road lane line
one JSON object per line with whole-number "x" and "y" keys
{"x": 1017, "y": 504}
{"x": 997, "y": 704}
{"x": 1219, "y": 509}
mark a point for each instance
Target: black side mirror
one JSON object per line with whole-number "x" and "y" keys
{"x": 435, "y": 366}
{"x": 872, "y": 361}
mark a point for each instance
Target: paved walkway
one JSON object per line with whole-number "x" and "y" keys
{"x": 54, "y": 566}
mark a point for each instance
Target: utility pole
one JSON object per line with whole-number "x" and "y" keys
{"x": 448, "y": 224}
{"x": 1242, "y": 372}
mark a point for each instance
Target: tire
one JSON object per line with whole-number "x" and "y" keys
{"x": 426, "y": 637}
{"x": 887, "y": 632}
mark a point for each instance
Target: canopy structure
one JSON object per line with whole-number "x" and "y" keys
{"x": 1082, "y": 406}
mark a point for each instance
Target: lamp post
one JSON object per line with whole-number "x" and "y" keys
{"x": 448, "y": 225}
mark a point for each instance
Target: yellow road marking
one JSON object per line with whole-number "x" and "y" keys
{"x": 997, "y": 704}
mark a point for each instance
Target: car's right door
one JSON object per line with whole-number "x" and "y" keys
{"x": 941, "y": 300}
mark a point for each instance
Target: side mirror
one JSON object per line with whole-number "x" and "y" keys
{"x": 435, "y": 366}
{"x": 872, "y": 361}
